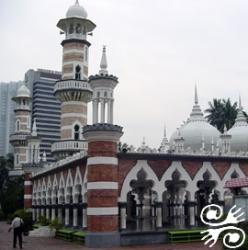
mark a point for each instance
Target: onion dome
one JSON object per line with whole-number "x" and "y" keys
{"x": 195, "y": 129}
{"x": 76, "y": 10}
{"x": 23, "y": 91}
{"x": 239, "y": 132}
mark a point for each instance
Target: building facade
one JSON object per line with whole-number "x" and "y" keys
{"x": 117, "y": 196}
{"x": 46, "y": 109}
{"x": 7, "y": 116}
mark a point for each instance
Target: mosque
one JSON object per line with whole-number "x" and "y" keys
{"x": 128, "y": 196}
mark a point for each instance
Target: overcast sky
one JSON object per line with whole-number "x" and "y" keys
{"x": 159, "y": 49}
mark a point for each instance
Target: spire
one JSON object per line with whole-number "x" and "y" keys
{"x": 196, "y": 95}
{"x": 103, "y": 64}
{"x": 164, "y": 131}
{"x": 76, "y": 3}
{"x": 196, "y": 114}
{"x": 240, "y": 104}
{"x": 34, "y": 128}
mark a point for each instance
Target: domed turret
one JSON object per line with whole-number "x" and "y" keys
{"x": 195, "y": 129}
{"x": 76, "y": 10}
{"x": 239, "y": 132}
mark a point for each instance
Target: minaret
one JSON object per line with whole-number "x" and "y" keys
{"x": 165, "y": 145}
{"x": 22, "y": 129}
{"x": 103, "y": 86}
{"x": 73, "y": 90}
{"x": 34, "y": 145}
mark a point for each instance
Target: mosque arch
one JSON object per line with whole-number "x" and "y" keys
{"x": 132, "y": 175}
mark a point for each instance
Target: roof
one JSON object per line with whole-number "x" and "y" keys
{"x": 237, "y": 183}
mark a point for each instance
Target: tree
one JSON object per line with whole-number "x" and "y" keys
{"x": 221, "y": 113}
{"x": 11, "y": 189}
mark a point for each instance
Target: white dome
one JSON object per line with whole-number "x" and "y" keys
{"x": 195, "y": 130}
{"x": 23, "y": 91}
{"x": 239, "y": 133}
{"x": 76, "y": 10}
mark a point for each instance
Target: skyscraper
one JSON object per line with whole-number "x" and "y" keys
{"x": 7, "y": 116}
{"x": 45, "y": 107}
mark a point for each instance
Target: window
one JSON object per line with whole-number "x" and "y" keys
{"x": 17, "y": 125}
{"x": 76, "y": 133}
{"x": 78, "y": 28}
{"x": 71, "y": 29}
{"x": 78, "y": 73}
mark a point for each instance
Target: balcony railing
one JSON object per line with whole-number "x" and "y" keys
{"x": 69, "y": 146}
{"x": 72, "y": 84}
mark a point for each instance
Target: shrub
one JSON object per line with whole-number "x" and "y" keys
{"x": 55, "y": 224}
{"x": 43, "y": 221}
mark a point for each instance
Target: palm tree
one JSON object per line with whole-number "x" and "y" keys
{"x": 221, "y": 113}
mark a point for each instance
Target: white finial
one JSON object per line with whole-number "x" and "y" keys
{"x": 76, "y": 3}
{"x": 34, "y": 128}
{"x": 164, "y": 130}
{"x": 103, "y": 64}
{"x": 196, "y": 95}
{"x": 225, "y": 129}
{"x": 240, "y": 104}
{"x": 144, "y": 141}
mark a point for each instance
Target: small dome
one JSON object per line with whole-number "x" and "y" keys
{"x": 23, "y": 91}
{"x": 195, "y": 130}
{"x": 76, "y": 10}
{"x": 239, "y": 133}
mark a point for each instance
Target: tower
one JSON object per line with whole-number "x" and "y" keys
{"x": 22, "y": 129}
{"x": 103, "y": 86}
{"x": 34, "y": 146}
{"x": 73, "y": 91}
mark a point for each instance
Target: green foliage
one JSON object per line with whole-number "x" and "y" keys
{"x": 44, "y": 221}
{"x": 222, "y": 113}
{"x": 12, "y": 197}
{"x": 55, "y": 224}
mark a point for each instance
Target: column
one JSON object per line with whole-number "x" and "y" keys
{"x": 123, "y": 208}
{"x": 53, "y": 213}
{"x": 159, "y": 214}
{"x": 60, "y": 219}
{"x": 192, "y": 213}
{"x": 95, "y": 111}
{"x": 42, "y": 211}
{"x": 48, "y": 213}
{"x": 37, "y": 214}
{"x": 102, "y": 188}
{"x": 84, "y": 217}
{"x": 75, "y": 217}
{"x": 28, "y": 190}
{"x": 112, "y": 112}
{"x": 34, "y": 214}
{"x": 67, "y": 216}
{"x": 109, "y": 111}
{"x": 102, "y": 111}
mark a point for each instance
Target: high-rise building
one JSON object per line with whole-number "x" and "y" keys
{"x": 46, "y": 109}
{"x": 7, "y": 116}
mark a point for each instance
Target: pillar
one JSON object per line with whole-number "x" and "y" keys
{"x": 34, "y": 214}
{"x": 75, "y": 217}
{"x": 95, "y": 111}
{"x": 109, "y": 111}
{"x": 102, "y": 186}
{"x": 60, "y": 219}
{"x": 112, "y": 112}
{"x": 159, "y": 214}
{"x": 102, "y": 111}
{"x": 28, "y": 189}
{"x": 53, "y": 213}
{"x": 67, "y": 216}
{"x": 84, "y": 217}
{"x": 37, "y": 214}
{"x": 192, "y": 213}
{"x": 123, "y": 208}
{"x": 42, "y": 211}
{"x": 48, "y": 213}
